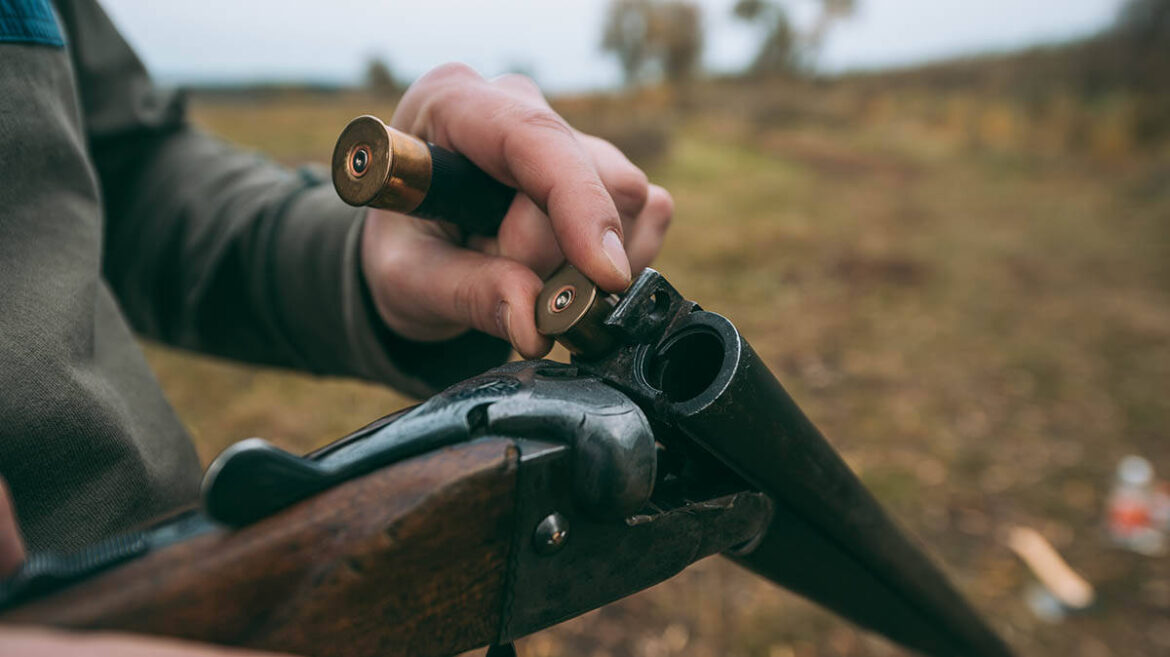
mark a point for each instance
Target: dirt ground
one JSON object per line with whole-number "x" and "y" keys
{"x": 974, "y": 311}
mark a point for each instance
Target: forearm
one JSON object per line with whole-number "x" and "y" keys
{"x": 197, "y": 238}
{"x": 217, "y": 250}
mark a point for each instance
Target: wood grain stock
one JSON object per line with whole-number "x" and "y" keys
{"x": 409, "y": 560}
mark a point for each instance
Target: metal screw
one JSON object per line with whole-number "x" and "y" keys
{"x": 551, "y": 534}
{"x": 562, "y": 299}
{"x": 360, "y": 160}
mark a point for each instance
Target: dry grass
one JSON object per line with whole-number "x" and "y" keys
{"x": 981, "y": 328}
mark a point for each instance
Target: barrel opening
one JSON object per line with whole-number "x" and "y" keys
{"x": 686, "y": 365}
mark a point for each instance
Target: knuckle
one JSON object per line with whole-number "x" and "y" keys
{"x": 663, "y": 222}
{"x": 587, "y": 192}
{"x": 631, "y": 188}
{"x": 539, "y": 118}
{"x": 515, "y": 281}
{"x": 659, "y": 210}
{"x": 451, "y": 71}
{"x": 660, "y": 203}
{"x": 392, "y": 262}
{"x": 437, "y": 105}
{"x": 478, "y": 294}
{"x": 519, "y": 82}
{"x": 597, "y": 189}
{"x": 466, "y": 299}
{"x": 526, "y": 132}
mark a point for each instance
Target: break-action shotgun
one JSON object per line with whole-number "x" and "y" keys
{"x": 516, "y": 499}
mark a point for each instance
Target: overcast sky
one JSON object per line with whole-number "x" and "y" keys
{"x": 556, "y": 40}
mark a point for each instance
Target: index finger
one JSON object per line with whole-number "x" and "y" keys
{"x": 524, "y": 144}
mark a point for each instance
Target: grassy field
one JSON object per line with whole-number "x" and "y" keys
{"x": 970, "y": 303}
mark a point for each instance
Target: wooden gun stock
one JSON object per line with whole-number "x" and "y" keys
{"x": 410, "y": 559}
{"x": 508, "y": 503}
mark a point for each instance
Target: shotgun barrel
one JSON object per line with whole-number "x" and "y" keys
{"x": 829, "y": 539}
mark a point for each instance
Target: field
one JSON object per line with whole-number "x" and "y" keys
{"x": 969, "y": 296}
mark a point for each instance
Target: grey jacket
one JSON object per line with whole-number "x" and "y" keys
{"x": 117, "y": 217}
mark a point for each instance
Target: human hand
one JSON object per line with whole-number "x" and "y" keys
{"x": 580, "y": 199}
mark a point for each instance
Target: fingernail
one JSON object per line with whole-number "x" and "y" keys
{"x": 504, "y": 321}
{"x": 611, "y": 245}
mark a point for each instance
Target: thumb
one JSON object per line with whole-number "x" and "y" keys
{"x": 493, "y": 294}
{"x": 11, "y": 544}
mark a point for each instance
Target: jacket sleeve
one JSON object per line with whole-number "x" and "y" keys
{"x": 218, "y": 250}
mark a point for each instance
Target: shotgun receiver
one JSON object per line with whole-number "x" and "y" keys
{"x": 517, "y": 499}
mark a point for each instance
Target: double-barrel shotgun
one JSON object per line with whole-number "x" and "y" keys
{"x": 516, "y": 499}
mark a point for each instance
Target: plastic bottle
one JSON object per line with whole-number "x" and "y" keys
{"x": 1132, "y": 523}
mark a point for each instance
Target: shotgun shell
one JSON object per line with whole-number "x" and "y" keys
{"x": 378, "y": 166}
{"x": 572, "y": 310}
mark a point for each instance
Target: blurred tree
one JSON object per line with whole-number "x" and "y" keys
{"x": 646, "y": 36}
{"x": 831, "y": 12}
{"x": 380, "y": 79}
{"x": 777, "y": 53}
{"x": 1140, "y": 43}
{"x": 677, "y": 34}
{"x": 626, "y": 29}
{"x": 783, "y": 49}
{"x": 1145, "y": 24}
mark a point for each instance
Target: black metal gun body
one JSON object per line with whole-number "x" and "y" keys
{"x": 666, "y": 440}
{"x": 675, "y": 443}
{"x": 701, "y": 382}
{"x": 576, "y": 522}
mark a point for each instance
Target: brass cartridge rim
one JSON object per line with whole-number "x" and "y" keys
{"x": 369, "y": 134}
{"x": 397, "y": 171}
{"x": 572, "y": 309}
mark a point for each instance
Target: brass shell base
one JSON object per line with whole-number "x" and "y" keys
{"x": 572, "y": 310}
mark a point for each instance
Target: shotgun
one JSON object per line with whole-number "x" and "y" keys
{"x": 518, "y": 498}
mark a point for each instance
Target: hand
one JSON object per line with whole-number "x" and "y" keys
{"x": 579, "y": 199}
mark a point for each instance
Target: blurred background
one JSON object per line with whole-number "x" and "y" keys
{"x": 945, "y": 226}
